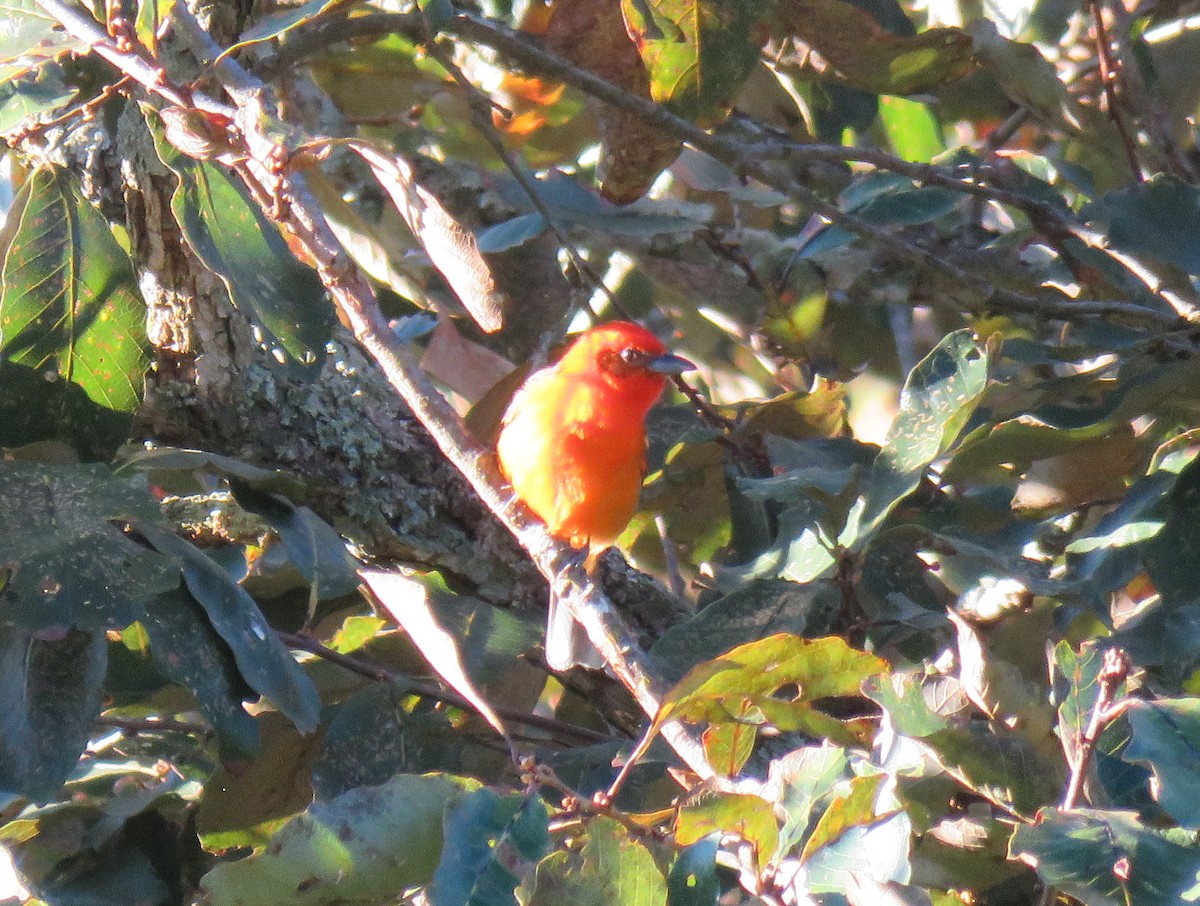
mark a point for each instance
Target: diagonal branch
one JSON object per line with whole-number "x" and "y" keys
{"x": 287, "y": 201}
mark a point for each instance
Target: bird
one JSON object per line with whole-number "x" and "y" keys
{"x": 572, "y": 444}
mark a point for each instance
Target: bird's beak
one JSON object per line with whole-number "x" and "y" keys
{"x": 670, "y": 364}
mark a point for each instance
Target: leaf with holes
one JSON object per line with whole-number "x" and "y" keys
{"x": 744, "y": 685}
{"x": 939, "y": 397}
{"x": 697, "y": 52}
{"x": 367, "y": 845}
{"x": 69, "y": 566}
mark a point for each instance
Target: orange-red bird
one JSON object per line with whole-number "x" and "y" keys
{"x": 573, "y": 445}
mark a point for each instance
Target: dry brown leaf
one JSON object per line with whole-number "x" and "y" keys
{"x": 466, "y": 367}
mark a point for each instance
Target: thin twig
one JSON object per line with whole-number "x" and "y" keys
{"x": 1109, "y": 72}
{"x": 131, "y": 726}
{"x": 1114, "y": 669}
{"x": 378, "y": 673}
{"x": 543, "y": 775}
{"x": 753, "y": 159}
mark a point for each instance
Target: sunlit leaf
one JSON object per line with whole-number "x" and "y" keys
{"x": 235, "y": 240}
{"x": 938, "y": 398}
{"x": 697, "y": 52}
{"x": 610, "y": 867}
{"x": 741, "y": 685}
{"x": 750, "y": 817}
{"x": 69, "y": 310}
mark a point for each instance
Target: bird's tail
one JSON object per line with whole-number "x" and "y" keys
{"x": 567, "y": 643}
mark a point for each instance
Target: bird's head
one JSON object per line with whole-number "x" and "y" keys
{"x": 625, "y": 358}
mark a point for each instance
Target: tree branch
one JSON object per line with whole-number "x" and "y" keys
{"x": 378, "y": 673}
{"x": 286, "y": 200}
{"x": 1110, "y": 71}
{"x": 751, "y": 158}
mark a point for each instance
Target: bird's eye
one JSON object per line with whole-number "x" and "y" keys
{"x": 629, "y": 355}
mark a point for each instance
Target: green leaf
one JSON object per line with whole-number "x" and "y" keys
{"x": 370, "y": 737}
{"x": 871, "y": 46}
{"x": 313, "y": 547}
{"x": 1159, "y": 218}
{"x": 366, "y": 846}
{"x": 1019, "y": 442}
{"x": 492, "y": 841}
{"x": 507, "y": 235}
{"x": 277, "y": 24}
{"x": 27, "y": 95}
{"x": 697, "y": 52}
{"x": 741, "y": 686}
{"x": 1109, "y": 858}
{"x": 188, "y": 651}
{"x": 911, "y": 207}
{"x": 1166, "y": 738}
{"x": 571, "y": 203}
{"x": 244, "y": 801}
{"x": 1171, "y": 553}
{"x": 853, "y": 806}
{"x": 151, "y": 14}
{"x": 750, "y": 817}
{"x": 876, "y": 851}
{"x": 230, "y": 234}
{"x": 912, "y": 129}
{"x": 70, "y": 567}
{"x": 30, "y": 34}
{"x": 610, "y": 869}
{"x": 121, "y": 874}
{"x": 1026, "y": 76}
{"x": 760, "y": 609}
{"x": 693, "y": 879}
{"x": 49, "y": 701}
{"x": 938, "y": 398}
{"x": 261, "y": 658}
{"x": 728, "y": 747}
{"x": 157, "y": 460}
{"x": 807, "y": 776}
{"x": 1002, "y": 768}
{"x": 69, "y": 308}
